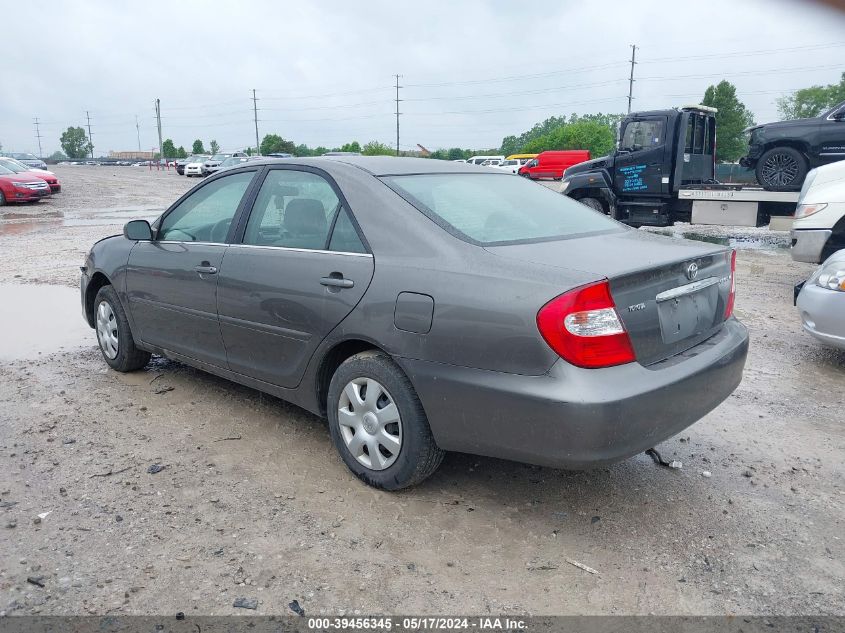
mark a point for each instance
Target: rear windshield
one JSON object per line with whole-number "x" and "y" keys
{"x": 491, "y": 209}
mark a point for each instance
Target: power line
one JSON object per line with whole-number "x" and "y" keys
{"x": 631, "y": 78}
{"x": 515, "y": 77}
{"x": 753, "y": 53}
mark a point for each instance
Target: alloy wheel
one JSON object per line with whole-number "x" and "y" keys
{"x": 369, "y": 422}
{"x": 107, "y": 330}
{"x": 780, "y": 170}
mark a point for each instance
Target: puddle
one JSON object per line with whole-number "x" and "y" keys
{"x": 18, "y": 223}
{"x": 39, "y": 319}
{"x": 739, "y": 242}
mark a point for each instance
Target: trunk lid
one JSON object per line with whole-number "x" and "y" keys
{"x": 671, "y": 294}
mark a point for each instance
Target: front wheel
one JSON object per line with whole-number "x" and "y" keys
{"x": 378, "y": 424}
{"x": 593, "y": 203}
{"x": 2, "y": 199}
{"x": 114, "y": 335}
{"x": 781, "y": 169}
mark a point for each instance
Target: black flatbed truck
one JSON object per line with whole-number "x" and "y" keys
{"x": 664, "y": 171}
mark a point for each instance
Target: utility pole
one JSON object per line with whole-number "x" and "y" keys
{"x": 255, "y": 116}
{"x": 90, "y": 136}
{"x": 38, "y": 136}
{"x": 158, "y": 123}
{"x": 631, "y": 78}
{"x": 138, "y": 130}
{"x": 397, "y": 112}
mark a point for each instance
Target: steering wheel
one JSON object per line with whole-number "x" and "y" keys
{"x": 221, "y": 226}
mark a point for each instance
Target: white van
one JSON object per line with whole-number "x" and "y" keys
{"x": 819, "y": 225}
{"x": 477, "y": 160}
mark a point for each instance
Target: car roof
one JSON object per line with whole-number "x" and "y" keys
{"x": 385, "y": 165}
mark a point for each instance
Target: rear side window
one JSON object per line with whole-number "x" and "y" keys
{"x": 493, "y": 209}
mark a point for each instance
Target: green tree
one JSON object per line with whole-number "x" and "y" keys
{"x": 58, "y": 156}
{"x": 319, "y": 150}
{"x": 168, "y": 148}
{"x": 275, "y": 144}
{"x": 812, "y": 101}
{"x": 197, "y": 147}
{"x": 456, "y": 153}
{"x": 213, "y": 147}
{"x": 181, "y": 153}
{"x": 375, "y": 148}
{"x": 583, "y": 134}
{"x": 731, "y": 119}
{"x": 75, "y": 144}
{"x": 354, "y": 146}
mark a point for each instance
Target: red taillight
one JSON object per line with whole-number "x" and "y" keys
{"x": 582, "y": 326}
{"x": 729, "y": 306}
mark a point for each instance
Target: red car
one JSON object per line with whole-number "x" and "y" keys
{"x": 553, "y": 163}
{"x": 26, "y": 171}
{"x": 18, "y": 188}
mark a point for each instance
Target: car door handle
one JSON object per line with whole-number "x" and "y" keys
{"x": 206, "y": 270}
{"x": 337, "y": 282}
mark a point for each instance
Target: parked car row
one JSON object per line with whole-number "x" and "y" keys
{"x": 204, "y": 164}
{"x": 546, "y": 165}
{"x": 20, "y": 182}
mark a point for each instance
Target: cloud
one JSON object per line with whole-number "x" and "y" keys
{"x": 472, "y": 71}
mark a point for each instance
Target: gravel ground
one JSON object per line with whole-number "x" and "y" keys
{"x": 253, "y": 503}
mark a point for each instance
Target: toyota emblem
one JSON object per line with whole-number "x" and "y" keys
{"x": 692, "y": 271}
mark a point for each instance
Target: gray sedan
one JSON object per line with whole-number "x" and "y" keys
{"x": 821, "y": 300}
{"x": 425, "y": 306}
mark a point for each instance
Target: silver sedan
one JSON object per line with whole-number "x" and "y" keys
{"x": 821, "y": 301}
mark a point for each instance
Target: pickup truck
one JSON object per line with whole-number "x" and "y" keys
{"x": 782, "y": 153}
{"x": 818, "y": 229}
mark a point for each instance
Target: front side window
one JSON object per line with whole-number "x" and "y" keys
{"x": 205, "y": 215}
{"x": 294, "y": 209}
{"x": 642, "y": 135}
{"x": 491, "y": 208}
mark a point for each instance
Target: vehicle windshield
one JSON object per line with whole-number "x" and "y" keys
{"x": 5, "y": 172}
{"x": 491, "y": 209}
{"x": 23, "y": 156}
{"x": 219, "y": 157}
{"x": 13, "y": 165}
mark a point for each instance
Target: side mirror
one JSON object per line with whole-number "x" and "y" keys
{"x": 138, "y": 230}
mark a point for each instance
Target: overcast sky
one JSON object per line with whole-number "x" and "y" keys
{"x": 472, "y": 71}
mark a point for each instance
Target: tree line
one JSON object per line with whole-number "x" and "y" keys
{"x": 594, "y": 132}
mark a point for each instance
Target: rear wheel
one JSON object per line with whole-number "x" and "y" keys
{"x": 781, "y": 169}
{"x": 2, "y": 199}
{"x": 114, "y": 335}
{"x": 378, "y": 424}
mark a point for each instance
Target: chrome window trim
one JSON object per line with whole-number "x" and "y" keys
{"x": 298, "y": 250}
{"x": 680, "y": 291}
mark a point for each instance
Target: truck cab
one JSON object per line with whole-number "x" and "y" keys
{"x": 658, "y": 153}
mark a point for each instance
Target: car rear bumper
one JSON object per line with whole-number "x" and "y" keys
{"x": 578, "y": 418}
{"x": 823, "y": 314}
{"x": 808, "y": 244}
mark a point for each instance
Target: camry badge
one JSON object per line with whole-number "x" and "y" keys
{"x": 692, "y": 271}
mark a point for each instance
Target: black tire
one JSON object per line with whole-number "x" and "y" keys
{"x": 593, "y": 203}
{"x": 2, "y": 199}
{"x": 129, "y": 357}
{"x": 781, "y": 169}
{"x": 419, "y": 456}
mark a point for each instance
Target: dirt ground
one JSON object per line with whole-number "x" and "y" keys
{"x": 252, "y": 501}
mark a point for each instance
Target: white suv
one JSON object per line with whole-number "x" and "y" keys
{"x": 819, "y": 225}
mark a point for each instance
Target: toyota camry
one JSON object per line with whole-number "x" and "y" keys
{"x": 425, "y": 306}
